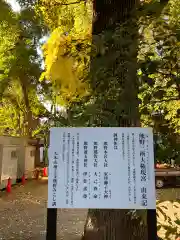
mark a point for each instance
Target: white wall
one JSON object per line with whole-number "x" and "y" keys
{"x": 29, "y": 160}
{"x": 8, "y": 165}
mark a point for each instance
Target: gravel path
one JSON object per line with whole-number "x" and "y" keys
{"x": 23, "y": 215}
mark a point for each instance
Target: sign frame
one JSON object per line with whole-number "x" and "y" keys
{"x": 52, "y": 222}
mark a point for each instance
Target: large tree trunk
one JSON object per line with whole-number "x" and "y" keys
{"x": 119, "y": 224}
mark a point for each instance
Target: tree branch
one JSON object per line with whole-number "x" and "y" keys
{"x": 166, "y": 100}
{"x": 65, "y": 4}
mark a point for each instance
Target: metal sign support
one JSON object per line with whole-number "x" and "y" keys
{"x": 51, "y": 228}
{"x": 152, "y": 224}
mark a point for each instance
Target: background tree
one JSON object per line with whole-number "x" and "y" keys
{"x": 20, "y": 67}
{"x": 159, "y": 77}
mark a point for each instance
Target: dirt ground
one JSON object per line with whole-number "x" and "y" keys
{"x": 23, "y": 213}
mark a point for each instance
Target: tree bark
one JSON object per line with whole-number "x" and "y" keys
{"x": 28, "y": 118}
{"x": 109, "y": 224}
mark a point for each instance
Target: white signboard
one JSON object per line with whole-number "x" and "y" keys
{"x": 101, "y": 168}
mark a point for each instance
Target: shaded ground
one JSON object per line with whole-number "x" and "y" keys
{"x": 168, "y": 194}
{"x": 169, "y": 215}
{"x": 23, "y": 213}
{"x": 168, "y": 219}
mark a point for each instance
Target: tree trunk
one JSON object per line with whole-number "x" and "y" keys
{"x": 28, "y": 118}
{"x": 119, "y": 224}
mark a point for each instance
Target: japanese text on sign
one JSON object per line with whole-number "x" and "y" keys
{"x": 101, "y": 168}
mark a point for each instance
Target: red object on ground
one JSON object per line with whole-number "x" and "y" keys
{"x": 8, "y": 188}
{"x": 23, "y": 179}
{"x": 45, "y": 172}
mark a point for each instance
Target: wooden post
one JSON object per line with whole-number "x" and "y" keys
{"x": 152, "y": 224}
{"x": 51, "y": 231}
